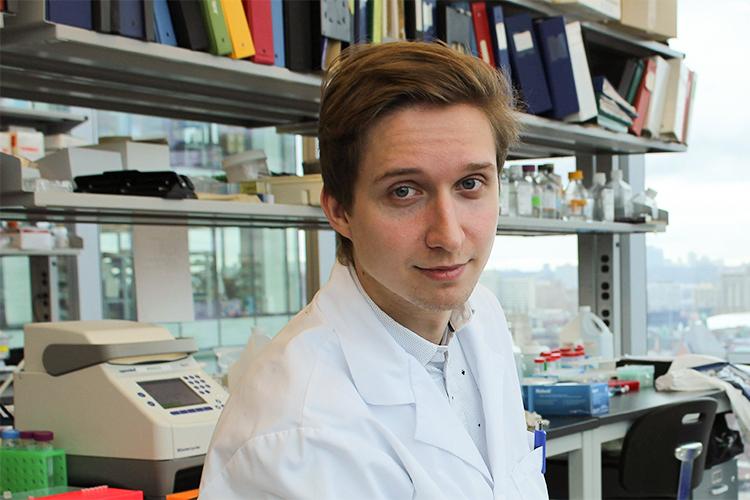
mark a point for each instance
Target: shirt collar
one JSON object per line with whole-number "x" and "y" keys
{"x": 422, "y": 349}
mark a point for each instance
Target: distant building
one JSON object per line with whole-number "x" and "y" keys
{"x": 735, "y": 290}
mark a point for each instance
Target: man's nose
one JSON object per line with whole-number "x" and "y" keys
{"x": 444, "y": 228}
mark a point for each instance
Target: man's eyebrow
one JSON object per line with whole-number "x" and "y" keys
{"x": 399, "y": 172}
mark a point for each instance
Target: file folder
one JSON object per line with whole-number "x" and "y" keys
{"x": 429, "y": 17}
{"x": 454, "y": 27}
{"x": 643, "y": 96}
{"x": 528, "y": 71}
{"x": 553, "y": 43}
{"x": 149, "y": 22}
{"x": 482, "y": 32}
{"x": 238, "y": 29}
{"x": 652, "y": 126}
{"x": 277, "y": 17}
{"x": 302, "y": 39}
{"x": 76, "y": 13}
{"x": 587, "y": 106}
{"x": 673, "y": 121}
{"x": 260, "y": 20}
{"x": 163, "y": 24}
{"x": 189, "y": 27}
{"x": 127, "y": 19}
{"x": 101, "y": 11}
{"x": 216, "y": 28}
{"x": 361, "y": 34}
{"x": 375, "y": 19}
{"x": 412, "y": 19}
{"x": 336, "y": 20}
{"x": 499, "y": 38}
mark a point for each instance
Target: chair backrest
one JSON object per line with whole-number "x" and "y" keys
{"x": 647, "y": 463}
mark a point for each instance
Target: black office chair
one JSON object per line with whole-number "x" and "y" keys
{"x": 646, "y": 466}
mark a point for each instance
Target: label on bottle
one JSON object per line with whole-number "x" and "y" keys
{"x": 549, "y": 200}
{"x": 524, "y": 192}
{"x": 536, "y": 201}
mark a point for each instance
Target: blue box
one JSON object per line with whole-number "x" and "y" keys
{"x": 567, "y": 399}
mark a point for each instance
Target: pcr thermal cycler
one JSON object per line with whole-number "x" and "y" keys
{"x": 126, "y": 400}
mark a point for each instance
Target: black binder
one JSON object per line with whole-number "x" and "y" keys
{"x": 102, "y": 15}
{"x": 166, "y": 184}
{"x": 189, "y": 28}
{"x": 302, "y": 38}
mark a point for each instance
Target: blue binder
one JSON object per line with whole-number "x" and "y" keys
{"x": 429, "y": 18}
{"x": 71, "y": 12}
{"x": 277, "y": 19}
{"x": 558, "y": 66}
{"x": 163, "y": 24}
{"x": 526, "y": 61}
{"x": 127, "y": 19}
{"x": 499, "y": 39}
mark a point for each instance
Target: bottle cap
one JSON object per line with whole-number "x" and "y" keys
{"x": 576, "y": 175}
{"x": 600, "y": 178}
{"x": 616, "y": 175}
{"x": 27, "y": 434}
{"x": 529, "y": 168}
{"x": 10, "y": 434}
{"x": 539, "y": 360}
{"x": 547, "y": 168}
{"x": 44, "y": 436}
{"x": 578, "y": 202}
{"x": 545, "y": 353}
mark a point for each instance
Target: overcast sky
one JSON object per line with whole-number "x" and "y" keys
{"x": 707, "y": 189}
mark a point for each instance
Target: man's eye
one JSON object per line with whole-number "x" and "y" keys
{"x": 402, "y": 191}
{"x": 470, "y": 184}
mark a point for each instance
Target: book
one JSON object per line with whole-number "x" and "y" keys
{"x": 640, "y": 65}
{"x": 587, "y": 106}
{"x": 526, "y": 62}
{"x": 260, "y": 21}
{"x": 189, "y": 27}
{"x": 496, "y": 19}
{"x": 277, "y": 18}
{"x": 652, "y": 125}
{"x": 558, "y": 68}
{"x": 163, "y": 27}
{"x": 216, "y": 27}
{"x": 302, "y": 39}
{"x": 238, "y": 29}
{"x": 673, "y": 119}
{"x": 692, "y": 80}
{"x": 643, "y": 96}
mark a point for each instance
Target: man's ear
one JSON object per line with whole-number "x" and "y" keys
{"x": 337, "y": 216}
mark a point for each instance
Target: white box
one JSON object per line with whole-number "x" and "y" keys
{"x": 29, "y": 238}
{"x": 56, "y": 142}
{"x": 30, "y": 145}
{"x": 295, "y": 190}
{"x": 67, "y": 164}
{"x": 6, "y": 144}
{"x": 592, "y": 10}
{"x": 143, "y": 156}
{"x": 12, "y": 174}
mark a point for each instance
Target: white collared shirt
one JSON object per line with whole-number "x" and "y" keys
{"x": 445, "y": 363}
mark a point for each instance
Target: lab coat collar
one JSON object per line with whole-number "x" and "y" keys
{"x": 385, "y": 374}
{"x": 377, "y": 363}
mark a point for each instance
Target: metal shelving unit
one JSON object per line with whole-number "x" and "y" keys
{"x": 48, "y": 122}
{"x": 118, "y": 209}
{"x": 56, "y": 252}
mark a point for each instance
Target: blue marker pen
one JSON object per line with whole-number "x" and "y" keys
{"x": 540, "y": 439}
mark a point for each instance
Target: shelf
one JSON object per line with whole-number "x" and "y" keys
{"x": 73, "y": 66}
{"x": 117, "y": 209}
{"x": 57, "y": 252}
{"x": 608, "y": 33}
{"x": 545, "y": 138}
{"x": 47, "y": 122}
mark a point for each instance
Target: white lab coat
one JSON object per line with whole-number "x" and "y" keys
{"x": 335, "y": 408}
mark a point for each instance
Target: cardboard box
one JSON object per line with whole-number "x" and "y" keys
{"x": 143, "y": 156}
{"x": 656, "y": 19}
{"x": 29, "y": 238}
{"x": 66, "y": 164}
{"x": 30, "y": 145}
{"x": 567, "y": 399}
{"x": 289, "y": 190}
{"x": 591, "y": 10}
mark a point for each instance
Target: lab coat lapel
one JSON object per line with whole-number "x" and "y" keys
{"x": 438, "y": 425}
{"x": 490, "y": 371}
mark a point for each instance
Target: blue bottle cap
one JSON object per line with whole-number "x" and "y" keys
{"x": 10, "y": 434}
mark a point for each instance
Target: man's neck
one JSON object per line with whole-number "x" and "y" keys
{"x": 430, "y": 325}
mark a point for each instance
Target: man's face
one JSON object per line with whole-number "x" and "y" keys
{"x": 425, "y": 207}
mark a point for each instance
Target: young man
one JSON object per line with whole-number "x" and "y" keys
{"x": 397, "y": 380}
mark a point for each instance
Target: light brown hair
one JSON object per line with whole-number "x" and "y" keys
{"x": 365, "y": 82}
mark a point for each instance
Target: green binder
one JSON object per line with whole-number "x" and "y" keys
{"x": 216, "y": 27}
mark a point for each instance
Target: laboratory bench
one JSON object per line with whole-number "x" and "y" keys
{"x": 582, "y": 437}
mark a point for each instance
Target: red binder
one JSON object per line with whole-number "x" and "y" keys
{"x": 688, "y": 106}
{"x": 482, "y": 32}
{"x": 643, "y": 96}
{"x": 259, "y": 19}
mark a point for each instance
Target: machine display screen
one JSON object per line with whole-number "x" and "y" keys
{"x": 171, "y": 393}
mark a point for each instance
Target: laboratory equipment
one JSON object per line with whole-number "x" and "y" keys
{"x": 504, "y": 192}
{"x": 11, "y": 438}
{"x": 550, "y": 192}
{"x": 591, "y": 331}
{"x": 575, "y": 196}
{"x": 126, "y": 400}
{"x": 520, "y": 192}
{"x": 604, "y": 198}
{"x": 645, "y": 204}
{"x": 623, "y": 195}
{"x": 644, "y": 374}
{"x": 530, "y": 177}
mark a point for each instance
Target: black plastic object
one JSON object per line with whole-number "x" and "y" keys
{"x": 166, "y": 184}
{"x": 724, "y": 444}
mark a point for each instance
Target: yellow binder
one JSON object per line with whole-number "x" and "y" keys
{"x": 239, "y": 30}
